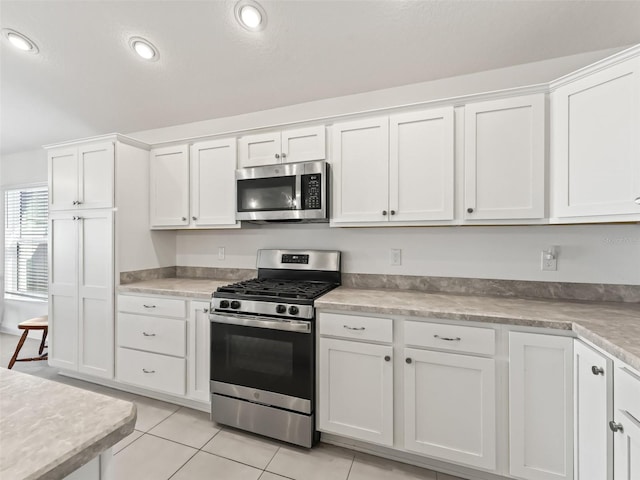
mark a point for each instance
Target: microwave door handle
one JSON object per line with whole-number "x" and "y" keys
{"x": 248, "y": 321}
{"x": 299, "y": 192}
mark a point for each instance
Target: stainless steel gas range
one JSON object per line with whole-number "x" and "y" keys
{"x": 263, "y": 345}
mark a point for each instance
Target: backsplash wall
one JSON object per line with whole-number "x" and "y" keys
{"x": 587, "y": 253}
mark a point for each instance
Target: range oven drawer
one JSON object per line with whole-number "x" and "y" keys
{"x": 152, "y": 370}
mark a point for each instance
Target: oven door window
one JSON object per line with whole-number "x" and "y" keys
{"x": 267, "y": 194}
{"x": 272, "y": 360}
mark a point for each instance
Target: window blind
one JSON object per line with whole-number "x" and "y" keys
{"x": 26, "y": 225}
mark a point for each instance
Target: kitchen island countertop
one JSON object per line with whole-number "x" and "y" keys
{"x": 49, "y": 429}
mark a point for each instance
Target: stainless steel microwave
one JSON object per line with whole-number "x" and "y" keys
{"x": 287, "y": 192}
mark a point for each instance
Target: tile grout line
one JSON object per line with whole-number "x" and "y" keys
{"x": 182, "y": 466}
{"x": 351, "y": 467}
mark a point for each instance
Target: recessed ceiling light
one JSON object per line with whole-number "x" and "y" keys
{"x": 250, "y": 15}
{"x": 144, "y": 48}
{"x": 20, "y": 41}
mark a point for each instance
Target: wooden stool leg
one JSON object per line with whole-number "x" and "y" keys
{"x": 44, "y": 337}
{"x": 20, "y": 343}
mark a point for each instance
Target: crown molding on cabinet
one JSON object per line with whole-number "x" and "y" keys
{"x": 595, "y": 67}
{"x": 104, "y": 138}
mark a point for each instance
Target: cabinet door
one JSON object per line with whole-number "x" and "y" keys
{"x": 256, "y": 150}
{"x": 450, "y": 407}
{"x": 596, "y": 145}
{"x": 63, "y": 291}
{"x": 169, "y": 187}
{"x": 304, "y": 144}
{"x": 421, "y": 165}
{"x": 198, "y": 351}
{"x": 593, "y": 386}
{"x": 540, "y": 401}
{"x": 627, "y": 416}
{"x": 95, "y": 175}
{"x": 356, "y": 390}
{"x": 505, "y": 159}
{"x": 95, "y": 293}
{"x": 361, "y": 171}
{"x": 63, "y": 179}
{"x": 213, "y": 183}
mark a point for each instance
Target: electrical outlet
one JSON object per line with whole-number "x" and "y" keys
{"x": 549, "y": 259}
{"x": 220, "y": 253}
{"x": 395, "y": 256}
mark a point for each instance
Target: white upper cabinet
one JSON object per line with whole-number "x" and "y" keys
{"x": 360, "y": 163}
{"x": 421, "y": 165}
{"x": 294, "y": 145}
{"x": 81, "y": 177}
{"x": 169, "y": 186}
{"x": 213, "y": 184}
{"x": 504, "y": 162}
{"x": 596, "y": 144}
{"x": 394, "y": 169}
{"x": 194, "y": 187}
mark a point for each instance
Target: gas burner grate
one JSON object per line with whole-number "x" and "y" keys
{"x": 278, "y": 288}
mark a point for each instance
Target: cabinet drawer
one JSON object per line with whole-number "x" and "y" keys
{"x": 450, "y": 337}
{"x": 152, "y": 370}
{"x": 164, "y": 307}
{"x": 627, "y": 392}
{"x": 154, "y": 334}
{"x": 355, "y": 326}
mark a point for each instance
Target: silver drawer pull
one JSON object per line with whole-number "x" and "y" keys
{"x": 148, "y": 334}
{"x": 149, "y": 306}
{"x": 448, "y": 339}
{"x": 148, "y": 371}
{"x": 353, "y": 328}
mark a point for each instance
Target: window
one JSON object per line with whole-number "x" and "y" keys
{"x": 25, "y": 254}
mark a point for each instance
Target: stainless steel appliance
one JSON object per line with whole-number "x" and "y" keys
{"x": 263, "y": 345}
{"x": 288, "y": 192}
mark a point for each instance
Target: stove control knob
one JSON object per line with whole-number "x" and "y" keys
{"x": 224, "y": 303}
{"x": 293, "y": 310}
{"x": 235, "y": 304}
{"x": 281, "y": 309}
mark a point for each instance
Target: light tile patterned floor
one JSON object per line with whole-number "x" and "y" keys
{"x": 178, "y": 443}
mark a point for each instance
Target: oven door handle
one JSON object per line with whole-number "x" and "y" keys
{"x": 271, "y": 324}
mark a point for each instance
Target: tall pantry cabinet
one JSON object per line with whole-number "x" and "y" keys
{"x": 82, "y": 249}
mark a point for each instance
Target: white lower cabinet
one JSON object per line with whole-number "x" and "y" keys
{"x": 199, "y": 347}
{"x": 593, "y": 409}
{"x": 356, "y": 390}
{"x": 540, "y": 406}
{"x": 626, "y": 423}
{"x": 450, "y": 407}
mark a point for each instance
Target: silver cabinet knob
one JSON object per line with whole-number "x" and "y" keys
{"x": 184, "y": 219}
{"x": 387, "y": 358}
{"x": 78, "y": 202}
{"x": 408, "y": 360}
{"x": 205, "y": 310}
{"x": 469, "y": 210}
{"x": 597, "y": 370}
{"x": 194, "y": 218}
{"x": 75, "y": 202}
{"x": 384, "y": 212}
{"x": 277, "y": 155}
{"x": 392, "y": 212}
{"x": 615, "y": 427}
{"x": 637, "y": 200}
{"x": 284, "y": 155}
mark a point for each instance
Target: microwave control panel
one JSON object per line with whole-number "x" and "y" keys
{"x": 311, "y": 191}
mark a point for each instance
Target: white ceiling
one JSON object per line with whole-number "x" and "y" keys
{"x": 86, "y": 81}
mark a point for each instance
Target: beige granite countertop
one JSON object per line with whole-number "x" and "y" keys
{"x": 49, "y": 429}
{"x": 197, "y": 288}
{"x": 614, "y": 327}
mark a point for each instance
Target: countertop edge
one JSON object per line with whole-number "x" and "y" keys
{"x": 86, "y": 452}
